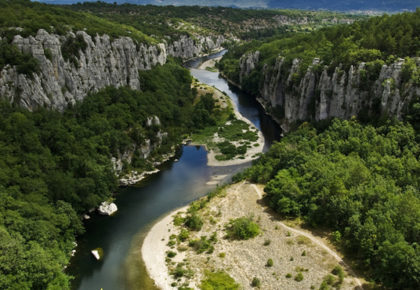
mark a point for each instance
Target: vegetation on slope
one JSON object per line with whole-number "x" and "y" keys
{"x": 376, "y": 41}
{"x": 23, "y": 17}
{"x": 164, "y": 21}
{"x": 32, "y": 16}
{"x": 359, "y": 181}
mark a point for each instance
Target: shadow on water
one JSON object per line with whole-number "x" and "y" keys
{"x": 178, "y": 183}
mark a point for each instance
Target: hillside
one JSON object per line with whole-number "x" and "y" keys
{"x": 342, "y": 5}
{"x": 165, "y": 22}
{"x": 369, "y": 69}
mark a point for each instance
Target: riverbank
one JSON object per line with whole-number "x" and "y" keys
{"x": 154, "y": 246}
{"x": 300, "y": 259}
{"x": 251, "y": 153}
{"x": 244, "y": 134}
{"x": 210, "y": 64}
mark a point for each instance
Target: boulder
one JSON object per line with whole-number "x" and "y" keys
{"x": 107, "y": 208}
{"x": 97, "y": 253}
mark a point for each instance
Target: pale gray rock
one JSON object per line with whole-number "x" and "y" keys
{"x": 153, "y": 121}
{"x": 107, "y": 208}
{"x": 320, "y": 95}
{"x": 105, "y": 62}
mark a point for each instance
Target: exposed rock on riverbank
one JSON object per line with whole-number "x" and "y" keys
{"x": 107, "y": 208}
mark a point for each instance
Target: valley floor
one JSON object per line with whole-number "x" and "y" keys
{"x": 293, "y": 250}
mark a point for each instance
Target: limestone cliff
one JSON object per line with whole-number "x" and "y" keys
{"x": 104, "y": 62}
{"x": 322, "y": 94}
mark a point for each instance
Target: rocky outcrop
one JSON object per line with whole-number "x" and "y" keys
{"x": 320, "y": 94}
{"x": 143, "y": 150}
{"x": 248, "y": 63}
{"x": 107, "y": 208}
{"x": 104, "y": 62}
{"x": 189, "y": 47}
{"x": 135, "y": 177}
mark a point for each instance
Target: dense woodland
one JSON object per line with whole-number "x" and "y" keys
{"x": 358, "y": 181}
{"x": 171, "y": 21}
{"x": 25, "y": 18}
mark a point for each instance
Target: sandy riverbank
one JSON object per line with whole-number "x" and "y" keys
{"x": 292, "y": 249}
{"x": 210, "y": 63}
{"x": 154, "y": 250}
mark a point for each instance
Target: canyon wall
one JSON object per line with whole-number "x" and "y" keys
{"x": 323, "y": 93}
{"x": 103, "y": 62}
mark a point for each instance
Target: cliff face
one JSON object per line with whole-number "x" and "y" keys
{"x": 320, "y": 95}
{"x": 187, "y": 47}
{"x": 104, "y": 62}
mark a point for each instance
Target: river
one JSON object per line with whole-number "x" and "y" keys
{"x": 179, "y": 182}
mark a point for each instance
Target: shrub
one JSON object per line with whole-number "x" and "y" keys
{"x": 267, "y": 242}
{"x": 194, "y": 222}
{"x": 183, "y": 235}
{"x": 213, "y": 237}
{"x": 339, "y": 272}
{"x": 170, "y": 254}
{"x": 288, "y": 275}
{"x": 299, "y": 277}
{"x": 222, "y": 255}
{"x": 201, "y": 245}
{"x": 242, "y": 229}
{"x": 178, "y": 220}
{"x": 256, "y": 282}
{"x": 48, "y": 54}
{"x": 71, "y": 48}
{"x": 181, "y": 271}
{"x": 329, "y": 279}
{"x": 218, "y": 280}
{"x": 269, "y": 263}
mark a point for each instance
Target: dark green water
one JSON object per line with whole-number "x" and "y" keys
{"x": 178, "y": 183}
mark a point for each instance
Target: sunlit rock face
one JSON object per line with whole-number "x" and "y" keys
{"x": 104, "y": 62}
{"x": 321, "y": 94}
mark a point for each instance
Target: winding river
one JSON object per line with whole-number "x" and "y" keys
{"x": 179, "y": 182}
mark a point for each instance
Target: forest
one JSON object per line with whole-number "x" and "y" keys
{"x": 358, "y": 181}
{"x": 55, "y": 166}
{"x": 25, "y": 18}
{"x": 172, "y": 21}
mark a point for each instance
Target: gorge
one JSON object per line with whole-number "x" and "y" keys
{"x": 179, "y": 183}
{"x": 105, "y": 103}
